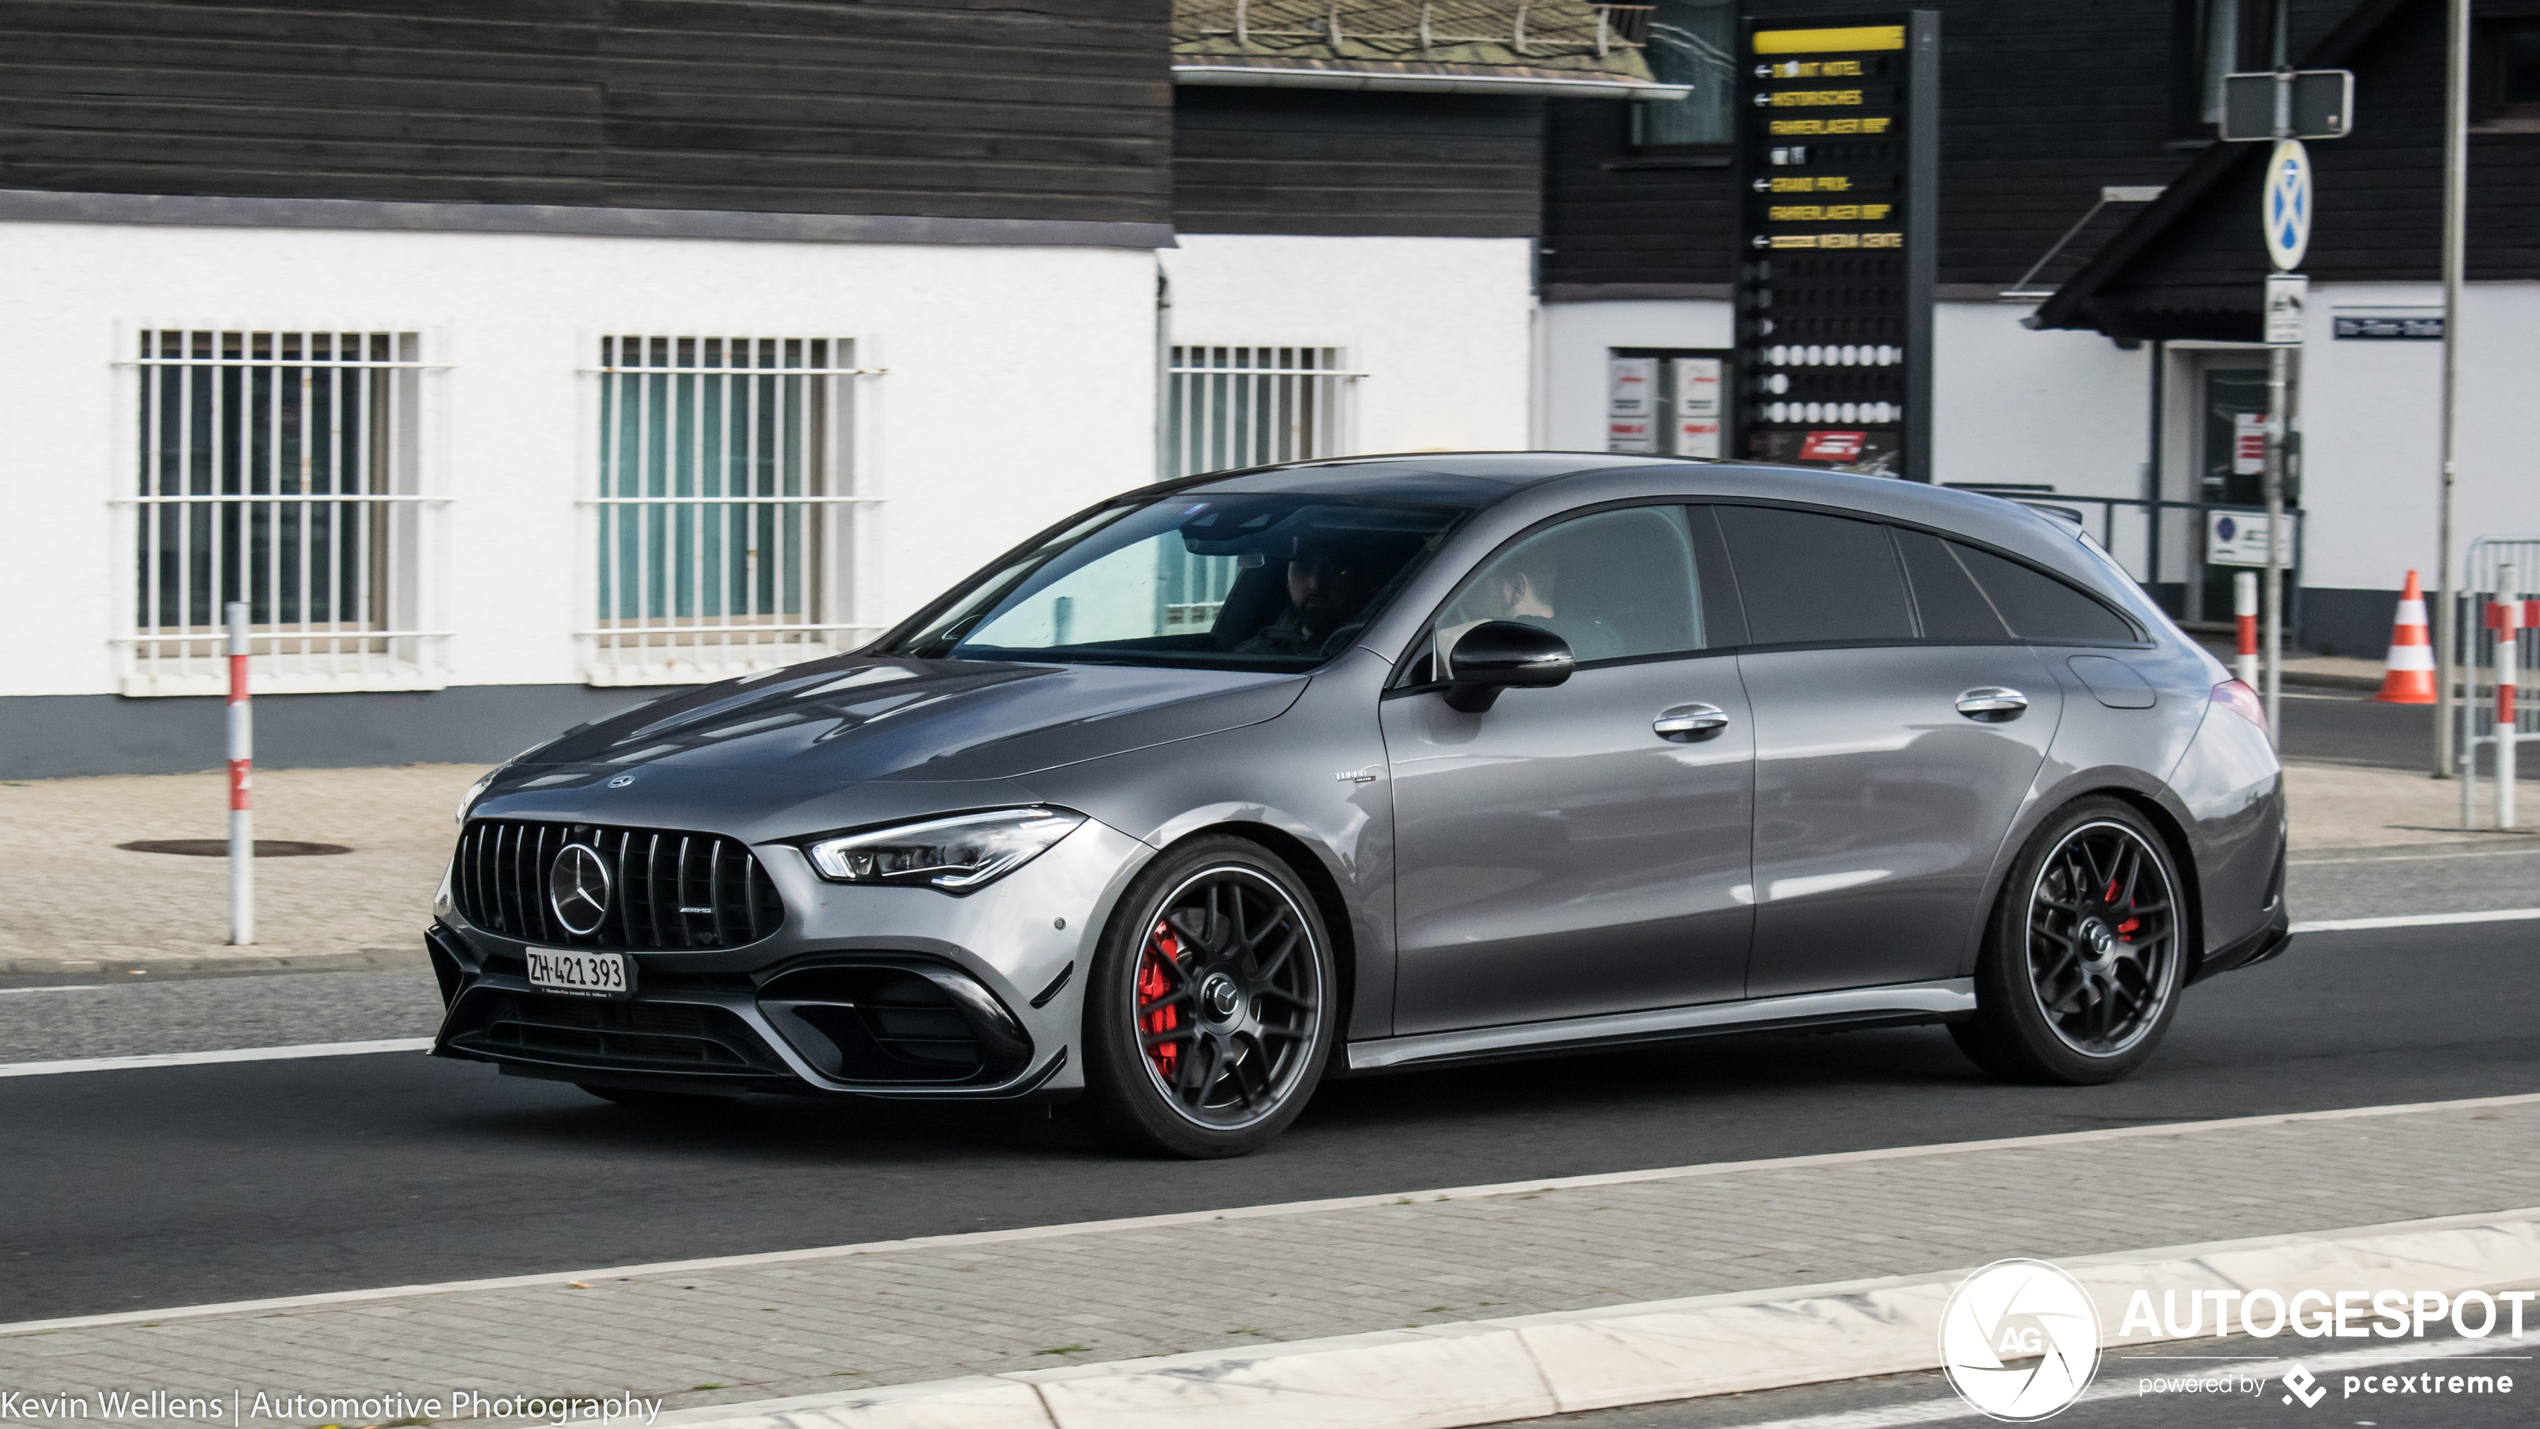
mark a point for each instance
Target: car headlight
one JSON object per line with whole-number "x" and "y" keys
{"x": 955, "y": 854}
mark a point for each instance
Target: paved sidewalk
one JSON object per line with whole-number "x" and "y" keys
{"x": 75, "y": 903}
{"x": 913, "y": 1311}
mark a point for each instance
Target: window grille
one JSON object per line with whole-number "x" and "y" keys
{"x": 728, "y": 515}
{"x": 285, "y": 470}
{"x": 1232, "y": 407}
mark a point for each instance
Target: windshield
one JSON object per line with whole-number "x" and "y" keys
{"x": 1271, "y": 582}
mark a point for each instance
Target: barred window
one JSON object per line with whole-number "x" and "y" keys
{"x": 285, "y": 470}
{"x": 1232, "y": 407}
{"x": 728, "y": 516}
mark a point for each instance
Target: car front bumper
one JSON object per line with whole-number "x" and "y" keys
{"x": 904, "y": 993}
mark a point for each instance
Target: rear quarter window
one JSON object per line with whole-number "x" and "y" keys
{"x": 2038, "y": 607}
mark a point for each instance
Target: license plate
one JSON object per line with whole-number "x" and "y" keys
{"x": 581, "y": 974}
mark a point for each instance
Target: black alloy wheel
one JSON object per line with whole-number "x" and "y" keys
{"x": 2085, "y": 956}
{"x": 1209, "y": 1012}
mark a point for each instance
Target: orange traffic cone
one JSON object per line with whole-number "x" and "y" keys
{"x": 2409, "y": 677}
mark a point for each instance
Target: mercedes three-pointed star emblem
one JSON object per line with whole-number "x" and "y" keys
{"x": 578, "y": 888}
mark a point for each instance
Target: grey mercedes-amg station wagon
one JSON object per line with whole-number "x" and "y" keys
{"x": 1237, "y": 783}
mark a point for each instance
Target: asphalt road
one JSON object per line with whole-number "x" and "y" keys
{"x": 170, "y": 1186}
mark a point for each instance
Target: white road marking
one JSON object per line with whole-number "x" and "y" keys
{"x": 198, "y": 1059}
{"x": 1936, "y": 1411}
{"x": 2532, "y": 851}
{"x": 66, "y": 987}
{"x": 2417, "y": 920}
{"x": 1288, "y": 1208}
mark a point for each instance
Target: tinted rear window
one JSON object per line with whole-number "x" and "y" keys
{"x": 1806, "y": 577}
{"x": 2039, "y": 607}
{"x": 1952, "y": 607}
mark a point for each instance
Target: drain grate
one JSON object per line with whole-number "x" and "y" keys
{"x": 219, "y": 848}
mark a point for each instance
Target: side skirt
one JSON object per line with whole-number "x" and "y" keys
{"x": 1902, "y": 1003}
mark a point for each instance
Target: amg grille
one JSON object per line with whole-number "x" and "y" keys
{"x": 668, "y": 891}
{"x": 629, "y": 1036}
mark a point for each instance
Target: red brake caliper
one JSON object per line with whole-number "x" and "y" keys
{"x": 2130, "y": 924}
{"x": 1153, "y": 987}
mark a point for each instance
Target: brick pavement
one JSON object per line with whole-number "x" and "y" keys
{"x": 722, "y": 1334}
{"x": 73, "y": 902}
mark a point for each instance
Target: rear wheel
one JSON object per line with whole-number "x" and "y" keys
{"x": 1209, "y": 1014}
{"x": 2083, "y": 961}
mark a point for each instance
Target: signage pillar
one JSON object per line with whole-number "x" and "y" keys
{"x": 1838, "y": 178}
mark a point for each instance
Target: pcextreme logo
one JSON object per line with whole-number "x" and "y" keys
{"x": 2023, "y": 1312}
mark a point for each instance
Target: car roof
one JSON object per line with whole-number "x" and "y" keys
{"x": 1481, "y": 479}
{"x": 1463, "y": 478}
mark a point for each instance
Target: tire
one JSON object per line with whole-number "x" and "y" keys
{"x": 2085, "y": 954}
{"x": 1209, "y": 1013}
{"x": 647, "y": 1099}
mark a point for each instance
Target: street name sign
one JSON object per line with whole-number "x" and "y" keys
{"x": 2320, "y": 106}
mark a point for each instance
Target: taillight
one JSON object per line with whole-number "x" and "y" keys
{"x": 2242, "y": 701}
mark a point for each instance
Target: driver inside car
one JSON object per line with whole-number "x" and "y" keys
{"x": 1329, "y": 580}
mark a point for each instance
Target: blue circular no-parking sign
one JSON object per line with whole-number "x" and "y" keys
{"x": 2286, "y": 207}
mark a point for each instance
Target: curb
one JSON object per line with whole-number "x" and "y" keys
{"x": 39, "y": 970}
{"x": 1485, "y": 1371}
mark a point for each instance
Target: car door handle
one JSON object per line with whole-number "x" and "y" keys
{"x": 1992, "y": 704}
{"x": 1687, "y": 723}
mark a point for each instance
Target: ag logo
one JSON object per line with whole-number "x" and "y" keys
{"x": 2023, "y": 1313}
{"x": 2305, "y": 1386}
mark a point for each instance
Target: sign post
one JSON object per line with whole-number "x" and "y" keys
{"x": 2284, "y": 106}
{"x": 242, "y": 756}
{"x": 1838, "y": 170}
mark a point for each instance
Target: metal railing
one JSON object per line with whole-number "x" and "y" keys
{"x": 282, "y": 470}
{"x": 727, "y": 508}
{"x": 2138, "y": 530}
{"x": 1530, "y": 27}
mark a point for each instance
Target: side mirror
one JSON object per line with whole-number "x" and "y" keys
{"x": 1501, "y": 655}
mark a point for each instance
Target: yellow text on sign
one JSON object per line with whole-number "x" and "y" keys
{"x": 1829, "y": 212}
{"x": 1814, "y": 42}
{"x": 1816, "y": 99}
{"x": 1876, "y": 125}
{"x": 1838, "y": 240}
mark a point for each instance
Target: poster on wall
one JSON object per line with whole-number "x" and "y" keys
{"x": 1696, "y": 383}
{"x": 1631, "y": 404}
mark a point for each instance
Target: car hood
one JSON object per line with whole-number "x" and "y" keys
{"x": 805, "y": 733}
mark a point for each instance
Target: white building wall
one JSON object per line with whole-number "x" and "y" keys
{"x": 1441, "y": 324}
{"x": 2010, "y": 405}
{"x": 1020, "y": 387}
{"x": 1578, "y": 337}
{"x": 2372, "y": 438}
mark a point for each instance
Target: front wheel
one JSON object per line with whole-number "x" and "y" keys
{"x": 2085, "y": 954}
{"x": 1209, "y": 1014}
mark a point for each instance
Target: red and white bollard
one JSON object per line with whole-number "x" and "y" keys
{"x": 2508, "y": 657}
{"x": 2244, "y": 613}
{"x": 242, "y": 758}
